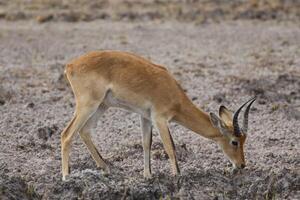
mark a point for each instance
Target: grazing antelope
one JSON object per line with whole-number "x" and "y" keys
{"x": 104, "y": 79}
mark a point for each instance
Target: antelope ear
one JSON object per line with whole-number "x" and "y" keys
{"x": 217, "y": 122}
{"x": 225, "y": 115}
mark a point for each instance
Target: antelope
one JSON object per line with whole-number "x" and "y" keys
{"x": 103, "y": 79}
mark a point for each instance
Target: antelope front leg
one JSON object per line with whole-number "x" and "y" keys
{"x": 147, "y": 141}
{"x": 162, "y": 126}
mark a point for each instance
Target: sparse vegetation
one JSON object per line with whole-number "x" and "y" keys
{"x": 221, "y": 52}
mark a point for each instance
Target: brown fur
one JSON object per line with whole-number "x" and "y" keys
{"x": 143, "y": 85}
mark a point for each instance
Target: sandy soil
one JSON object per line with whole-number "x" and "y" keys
{"x": 196, "y": 11}
{"x": 216, "y": 63}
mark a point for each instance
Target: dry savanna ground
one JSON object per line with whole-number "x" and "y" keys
{"x": 221, "y": 53}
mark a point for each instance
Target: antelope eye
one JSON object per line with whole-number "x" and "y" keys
{"x": 234, "y": 143}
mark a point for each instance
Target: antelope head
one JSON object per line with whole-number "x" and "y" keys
{"x": 233, "y": 137}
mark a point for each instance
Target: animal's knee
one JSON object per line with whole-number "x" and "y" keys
{"x": 63, "y": 136}
{"x": 64, "y": 141}
{"x": 65, "y": 133}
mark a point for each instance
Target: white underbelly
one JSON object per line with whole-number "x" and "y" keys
{"x": 111, "y": 101}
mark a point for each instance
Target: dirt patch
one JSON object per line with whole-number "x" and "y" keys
{"x": 284, "y": 88}
{"x": 253, "y": 184}
{"x": 4, "y": 95}
{"x": 15, "y": 187}
{"x": 281, "y": 92}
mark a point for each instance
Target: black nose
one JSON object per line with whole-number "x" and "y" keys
{"x": 243, "y": 166}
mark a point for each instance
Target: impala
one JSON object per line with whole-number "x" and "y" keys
{"x": 104, "y": 79}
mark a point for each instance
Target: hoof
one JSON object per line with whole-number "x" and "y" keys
{"x": 105, "y": 171}
{"x": 176, "y": 173}
{"x": 64, "y": 178}
{"x": 147, "y": 175}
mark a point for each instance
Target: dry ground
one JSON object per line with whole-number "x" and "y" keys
{"x": 216, "y": 63}
{"x": 196, "y": 11}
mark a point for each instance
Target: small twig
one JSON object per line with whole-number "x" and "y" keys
{"x": 2, "y": 166}
{"x": 124, "y": 194}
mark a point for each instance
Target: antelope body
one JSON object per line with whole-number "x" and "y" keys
{"x": 104, "y": 79}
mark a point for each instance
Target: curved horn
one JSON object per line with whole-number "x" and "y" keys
{"x": 246, "y": 114}
{"x": 236, "y": 127}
